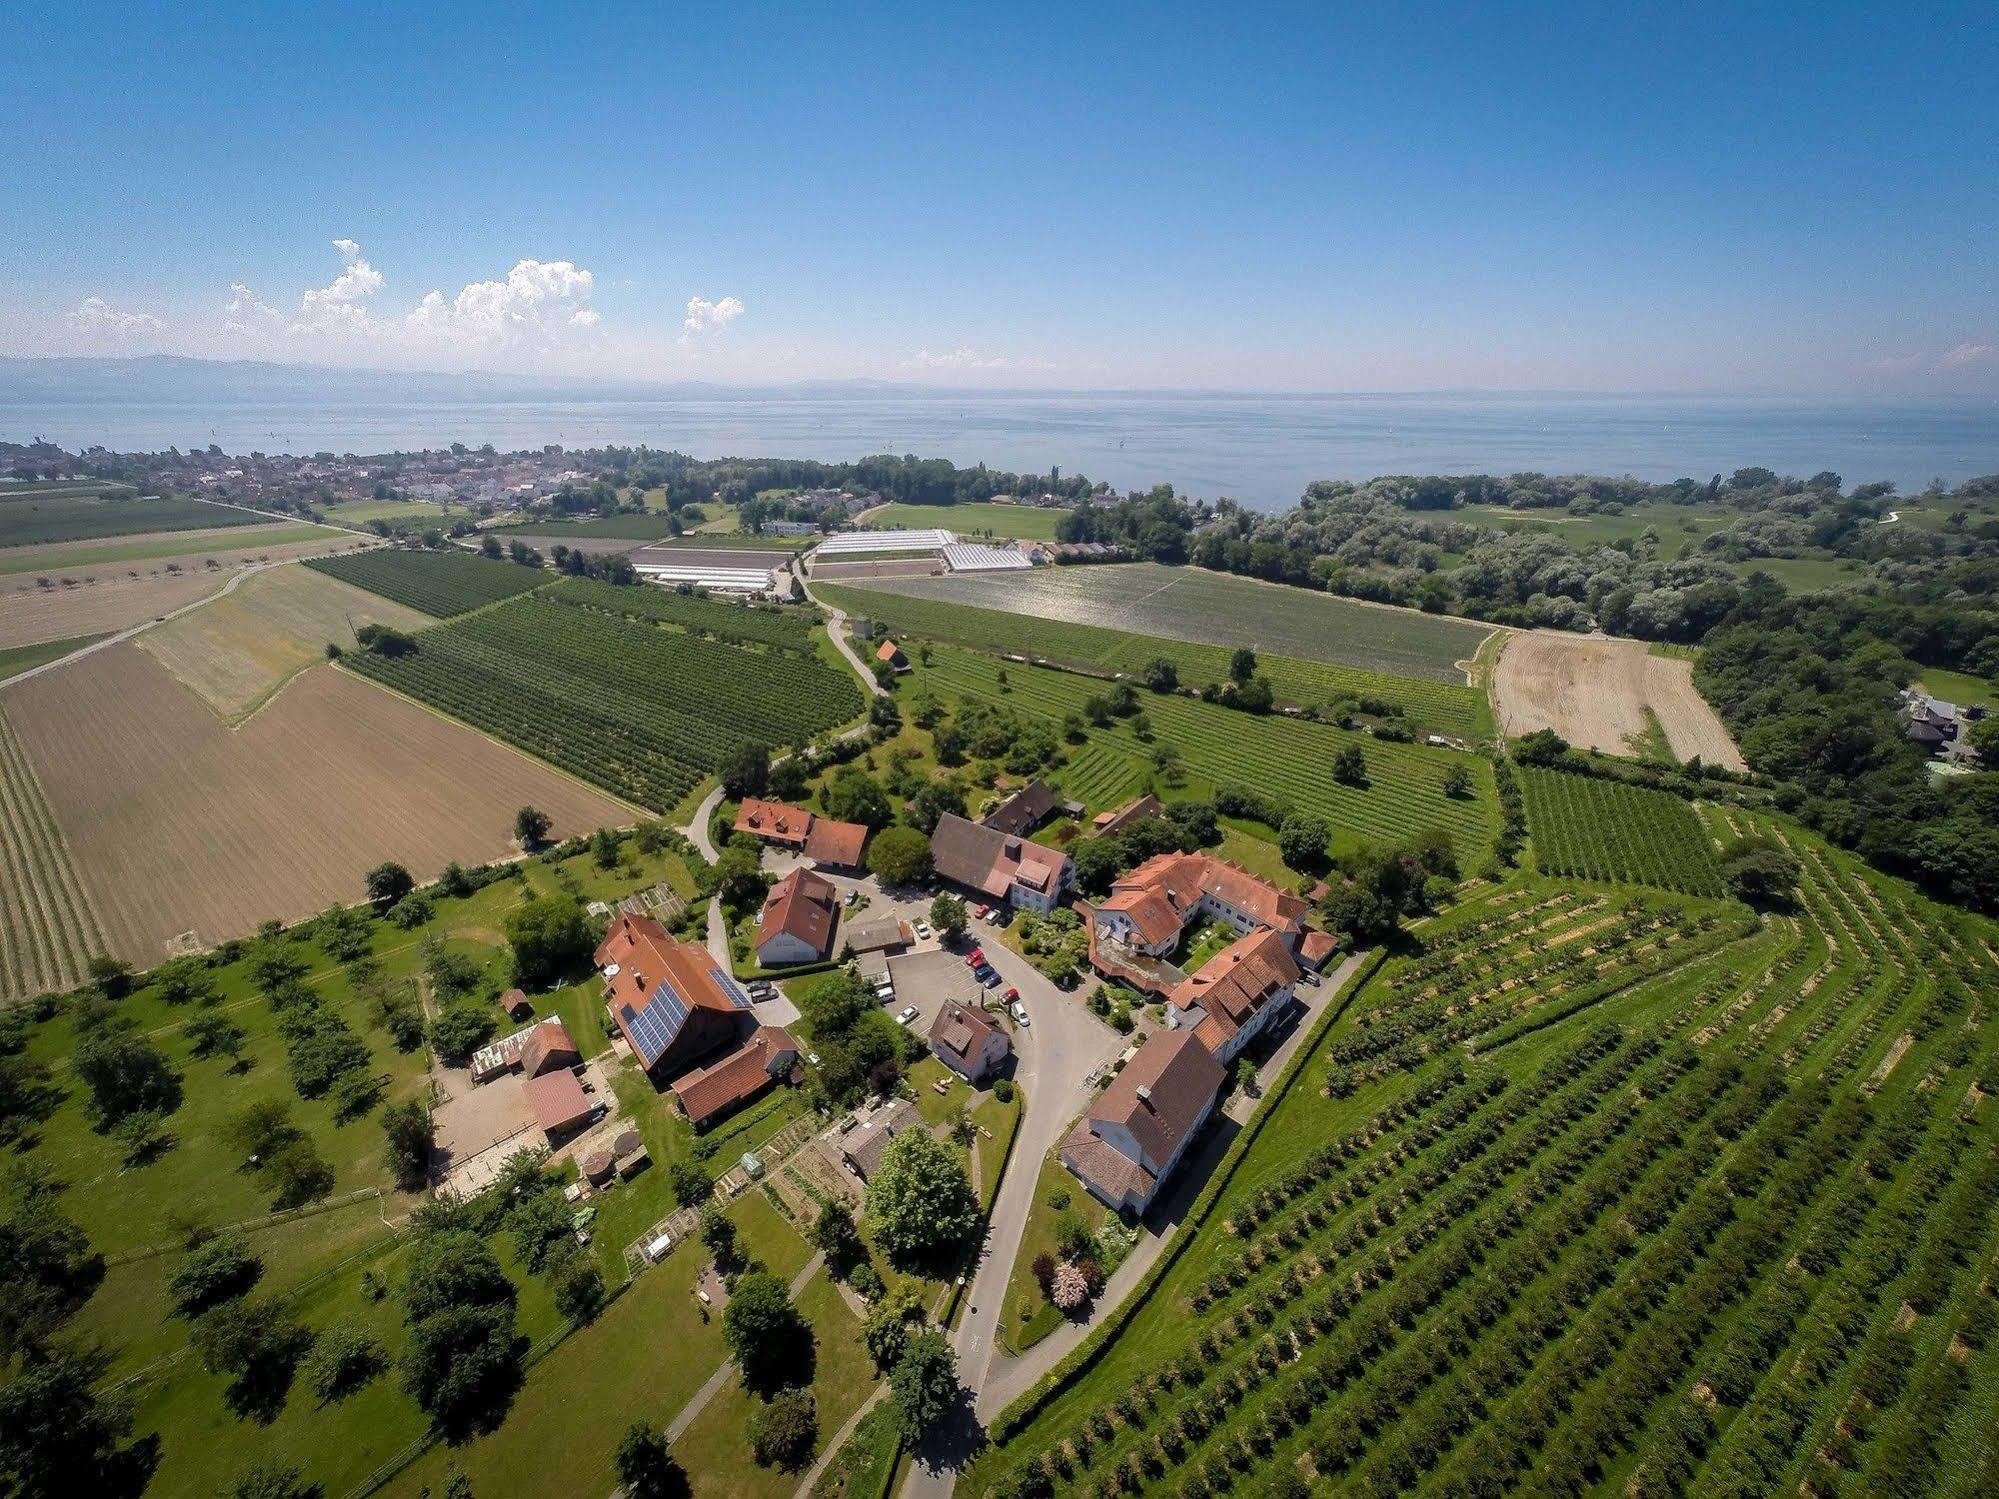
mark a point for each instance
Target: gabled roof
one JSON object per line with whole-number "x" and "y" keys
{"x": 961, "y": 1032}
{"x": 875, "y": 933}
{"x": 738, "y": 1077}
{"x": 1182, "y": 879}
{"x": 557, "y": 1099}
{"x": 548, "y": 1043}
{"x": 990, "y": 861}
{"x": 1149, "y": 911}
{"x": 1236, "y": 983}
{"x": 1136, "y": 810}
{"x": 803, "y": 905}
{"x": 868, "y": 1143}
{"x": 1025, "y": 810}
{"x": 839, "y": 843}
{"x": 658, "y": 981}
{"x": 888, "y": 652}
{"x": 1179, "y": 1078}
{"x": 773, "y": 820}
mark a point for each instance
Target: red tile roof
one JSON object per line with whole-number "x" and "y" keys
{"x": 1236, "y": 983}
{"x": 738, "y": 1077}
{"x": 649, "y": 961}
{"x": 774, "y": 820}
{"x": 804, "y": 905}
{"x": 889, "y": 651}
{"x": 1182, "y": 879}
{"x": 838, "y": 843}
{"x": 548, "y": 1045}
{"x": 557, "y": 1099}
{"x": 1317, "y": 947}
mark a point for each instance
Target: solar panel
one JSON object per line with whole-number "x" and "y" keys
{"x": 737, "y": 996}
{"x": 654, "y": 1028}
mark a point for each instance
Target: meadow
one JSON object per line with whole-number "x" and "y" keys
{"x": 189, "y": 549}
{"x": 439, "y": 584}
{"x": 645, "y": 713}
{"x": 45, "y": 516}
{"x": 1585, "y": 1193}
{"x": 1188, "y": 603}
{"x": 1603, "y": 830}
{"x": 651, "y": 526}
{"x": 1681, "y": 528}
{"x": 1437, "y": 707}
{"x": 1027, "y": 522}
{"x": 1282, "y": 757}
{"x": 733, "y": 624}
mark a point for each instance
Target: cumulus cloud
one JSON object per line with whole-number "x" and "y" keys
{"x": 971, "y": 359}
{"x": 248, "y": 313}
{"x": 96, "y": 318}
{"x": 535, "y": 298}
{"x": 339, "y": 306}
{"x": 704, "y": 316}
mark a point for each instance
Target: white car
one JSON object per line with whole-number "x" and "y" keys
{"x": 1020, "y": 1013}
{"x": 907, "y": 1016}
{"x": 923, "y": 931}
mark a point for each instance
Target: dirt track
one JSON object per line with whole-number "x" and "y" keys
{"x": 176, "y": 822}
{"x": 1593, "y": 690}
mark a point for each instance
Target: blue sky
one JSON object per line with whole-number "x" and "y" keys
{"x": 1313, "y": 198}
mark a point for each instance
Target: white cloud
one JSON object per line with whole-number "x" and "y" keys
{"x": 248, "y": 313}
{"x": 536, "y": 298}
{"x": 1968, "y": 354}
{"x": 338, "y": 307}
{"x": 971, "y": 359}
{"x": 96, "y": 318}
{"x": 704, "y": 316}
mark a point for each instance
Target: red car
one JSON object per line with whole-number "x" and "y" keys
{"x": 1012, "y": 996}
{"x": 976, "y": 956}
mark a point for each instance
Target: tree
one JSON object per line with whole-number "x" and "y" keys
{"x": 143, "y": 1136}
{"x": 218, "y": 1270}
{"x": 924, "y": 1384}
{"x": 764, "y": 1331}
{"x": 1457, "y": 782}
{"x": 47, "y": 1267}
{"x": 718, "y": 1233}
{"x": 1068, "y": 1290}
{"x": 783, "y": 1432}
{"x": 260, "y": 1345}
{"x": 835, "y": 1236}
{"x": 1542, "y": 747}
{"x": 298, "y": 1174}
{"x": 690, "y": 1183}
{"x": 932, "y": 801}
{"x": 1161, "y": 675}
{"x": 578, "y": 1285}
{"x": 1350, "y": 765}
{"x": 59, "y": 1437}
{"x": 1242, "y": 665}
{"x": 948, "y": 916}
{"x": 646, "y": 1469}
{"x": 389, "y": 883}
{"x": 1758, "y": 870}
{"x": 531, "y": 825}
{"x": 899, "y": 856}
{"x": 460, "y": 1029}
{"x": 746, "y": 772}
{"x": 184, "y": 981}
{"x": 1303, "y": 840}
{"x": 112, "y": 976}
{"x": 855, "y": 796}
{"x": 462, "y": 1364}
{"x": 410, "y": 1137}
{"x": 549, "y": 936}
{"x": 920, "y": 1201}
{"x": 274, "y": 1480}
{"x": 125, "y": 1073}
{"x": 341, "y": 1362}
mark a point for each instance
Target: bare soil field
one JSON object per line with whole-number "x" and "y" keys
{"x": 176, "y": 822}
{"x": 237, "y": 651}
{"x": 29, "y": 614}
{"x": 146, "y": 551}
{"x": 1594, "y": 691}
{"x": 690, "y": 556}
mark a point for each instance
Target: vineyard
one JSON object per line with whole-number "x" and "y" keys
{"x": 1192, "y": 604}
{"x": 1603, "y": 830}
{"x": 72, "y": 513}
{"x": 47, "y": 927}
{"x": 1622, "y": 1194}
{"x": 734, "y": 624}
{"x": 440, "y": 584}
{"x": 1436, "y": 706}
{"x": 1101, "y": 777}
{"x": 643, "y": 713}
{"x": 1283, "y": 757}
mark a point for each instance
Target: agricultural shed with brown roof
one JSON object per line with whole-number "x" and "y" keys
{"x": 558, "y": 1101}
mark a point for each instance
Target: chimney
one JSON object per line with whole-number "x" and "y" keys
{"x": 1145, "y": 1095}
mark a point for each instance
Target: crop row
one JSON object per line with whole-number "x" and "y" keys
{"x": 734, "y": 624}
{"x": 440, "y": 584}
{"x": 48, "y": 929}
{"x": 1604, "y": 830}
{"x": 31, "y": 520}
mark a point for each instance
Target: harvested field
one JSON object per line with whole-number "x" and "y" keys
{"x": 906, "y": 567}
{"x": 176, "y": 821}
{"x": 237, "y": 651}
{"x": 148, "y": 551}
{"x": 687, "y": 556}
{"x": 48, "y": 930}
{"x": 1594, "y": 691}
{"x": 30, "y": 614}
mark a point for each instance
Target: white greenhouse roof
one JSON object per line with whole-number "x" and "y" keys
{"x": 885, "y": 541}
{"x": 975, "y": 557}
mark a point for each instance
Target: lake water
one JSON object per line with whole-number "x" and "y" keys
{"x": 1262, "y": 450}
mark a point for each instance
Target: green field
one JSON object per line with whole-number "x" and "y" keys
{"x": 20, "y": 658}
{"x": 1681, "y": 528}
{"x": 75, "y": 558}
{"x": 1189, "y": 603}
{"x": 45, "y": 516}
{"x": 734, "y": 624}
{"x": 1609, "y": 1195}
{"x": 1280, "y": 756}
{"x": 437, "y": 583}
{"x": 1805, "y": 574}
{"x": 360, "y": 512}
{"x": 1601, "y": 830}
{"x": 642, "y": 712}
{"x": 1957, "y": 687}
{"x": 1457, "y": 711}
{"x": 1028, "y": 522}
{"x": 652, "y": 526}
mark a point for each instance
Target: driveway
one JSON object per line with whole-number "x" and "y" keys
{"x": 1060, "y": 1048}
{"x": 836, "y": 627}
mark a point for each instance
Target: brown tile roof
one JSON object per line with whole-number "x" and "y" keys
{"x": 774, "y": 820}
{"x": 1184, "y": 878}
{"x": 1025, "y": 810}
{"x": 1317, "y": 947}
{"x": 1116, "y": 1174}
{"x": 548, "y": 1045}
{"x": 1180, "y": 1077}
{"x": 1237, "y": 982}
{"x": 991, "y": 861}
{"x": 961, "y": 1032}
{"x": 738, "y": 1077}
{"x": 1152, "y": 914}
{"x": 1136, "y": 810}
{"x": 654, "y": 967}
{"x": 557, "y": 1099}
{"x": 866, "y": 1145}
{"x": 838, "y": 843}
{"x": 804, "y": 905}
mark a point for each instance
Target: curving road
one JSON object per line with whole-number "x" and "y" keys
{"x": 836, "y": 628}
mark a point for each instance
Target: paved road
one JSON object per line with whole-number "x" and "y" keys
{"x": 1062, "y": 1046}
{"x": 837, "y": 628}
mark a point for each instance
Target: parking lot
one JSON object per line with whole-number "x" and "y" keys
{"x": 931, "y": 979}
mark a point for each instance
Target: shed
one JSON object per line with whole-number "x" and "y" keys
{"x": 517, "y": 1005}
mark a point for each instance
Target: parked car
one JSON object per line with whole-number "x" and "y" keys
{"x": 908, "y": 1015}
{"x": 989, "y": 978}
{"x": 922, "y": 931}
{"x": 1012, "y": 996}
{"x": 1019, "y": 1010}
{"x": 978, "y": 955}
{"x": 984, "y": 913}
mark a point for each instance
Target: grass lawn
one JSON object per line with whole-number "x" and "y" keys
{"x": 1031, "y": 522}
{"x": 1681, "y": 528}
{"x": 1958, "y": 687}
{"x": 1199, "y": 945}
{"x": 935, "y": 1107}
{"x": 715, "y": 1450}
{"x": 360, "y": 512}
{"x": 19, "y": 658}
{"x": 1001, "y": 1120}
{"x": 1028, "y": 1316}
{"x": 1255, "y": 853}
{"x": 1805, "y": 574}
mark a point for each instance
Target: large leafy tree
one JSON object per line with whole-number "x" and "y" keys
{"x": 549, "y": 935}
{"x": 764, "y": 1331}
{"x": 899, "y": 856}
{"x": 920, "y": 1200}
{"x": 924, "y": 1384}
{"x": 59, "y": 1437}
{"x": 47, "y": 1267}
{"x": 462, "y": 1364}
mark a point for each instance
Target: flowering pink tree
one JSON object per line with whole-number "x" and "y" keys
{"x": 1070, "y": 1289}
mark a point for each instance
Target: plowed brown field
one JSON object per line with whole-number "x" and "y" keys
{"x": 176, "y": 822}
{"x": 1594, "y": 690}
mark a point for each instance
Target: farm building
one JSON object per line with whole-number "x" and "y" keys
{"x": 890, "y": 654}
{"x": 713, "y": 1092}
{"x": 977, "y": 557}
{"x": 671, "y": 1001}
{"x": 998, "y": 865}
{"x": 548, "y": 1047}
{"x": 848, "y": 543}
{"x": 863, "y": 1147}
{"x": 716, "y": 579}
{"x": 876, "y": 934}
{"x": 968, "y": 1043}
{"x": 838, "y": 845}
{"x": 1140, "y": 922}
{"x": 560, "y": 1105}
{"x": 1118, "y": 819}
{"x": 796, "y": 925}
{"x": 1135, "y": 1132}
{"x": 1024, "y": 811}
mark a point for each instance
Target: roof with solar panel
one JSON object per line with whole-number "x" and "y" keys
{"x": 654, "y": 983}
